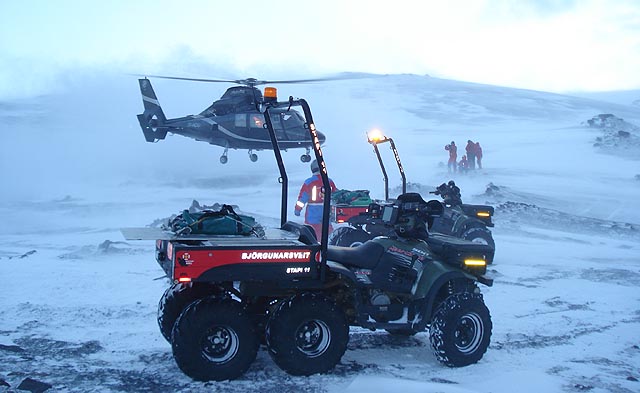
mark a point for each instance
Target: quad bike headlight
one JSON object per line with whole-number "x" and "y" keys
{"x": 475, "y": 262}
{"x": 475, "y": 266}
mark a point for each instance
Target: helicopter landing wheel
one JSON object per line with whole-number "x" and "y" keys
{"x": 253, "y": 156}
{"x": 305, "y": 158}
{"x": 224, "y": 159}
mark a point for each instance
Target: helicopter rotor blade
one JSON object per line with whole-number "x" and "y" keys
{"x": 328, "y": 78}
{"x": 189, "y": 79}
{"x": 251, "y": 82}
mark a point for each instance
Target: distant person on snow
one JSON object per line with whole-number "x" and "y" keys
{"x": 453, "y": 197}
{"x": 471, "y": 154}
{"x": 449, "y": 192}
{"x": 479, "y": 155}
{"x": 463, "y": 165}
{"x": 453, "y": 156}
{"x": 312, "y": 195}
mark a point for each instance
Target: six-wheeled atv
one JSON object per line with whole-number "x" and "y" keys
{"x": 298, "y": 296}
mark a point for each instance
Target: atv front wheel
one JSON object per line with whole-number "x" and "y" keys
{"x": 480, "y": 235}
{"x": 307, "y": 335}
{"x": 174, "y": 300}
{"x": 460, "y": 329}
{"x": 214, "y": 339}
{"x": 348, "y": 237}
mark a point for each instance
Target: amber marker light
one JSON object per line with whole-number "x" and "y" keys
{"x": 184, "y": 279}
{"x": 483, "y": 214}
{"x": 271, "y": 93}
{"x": 475, "y": 262}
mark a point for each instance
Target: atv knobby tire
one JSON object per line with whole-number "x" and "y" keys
{"x": 307, "y": 334}
{"x": 460, "y": 329}
{"x": 348, "y": 237}
{"x": 214, "y": 339}
{"x": 174, "y": 300}
{"x": 480, "y": 235}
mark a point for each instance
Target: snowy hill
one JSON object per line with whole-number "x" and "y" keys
{"x": 78, "y": 306}
{"x": 625, "y": 97}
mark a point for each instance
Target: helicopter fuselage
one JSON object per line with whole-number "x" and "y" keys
{"x": 233, "y": 122}
{"x": 242, "y": 130}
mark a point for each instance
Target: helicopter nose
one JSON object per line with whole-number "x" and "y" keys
{"x": 321, "y": 137}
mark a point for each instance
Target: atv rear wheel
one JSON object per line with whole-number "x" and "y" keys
{"x": 480, "y": 235}
{"x": 460, "y": 329}
{"x": 348, "y": 237}
{"x": 214, "y": 339}
{"x": 173, "y": 302}
{"x": 307, "y": 335}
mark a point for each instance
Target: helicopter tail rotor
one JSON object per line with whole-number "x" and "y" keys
{"x": 153, "y": 118}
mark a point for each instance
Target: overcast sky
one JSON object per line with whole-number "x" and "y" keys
{"x": 551, "y": 45}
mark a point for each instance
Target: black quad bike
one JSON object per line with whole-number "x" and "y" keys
{"x": 469, "y": 222}
{"x": 464, "y": 221}
{"x": 298, "y": 296}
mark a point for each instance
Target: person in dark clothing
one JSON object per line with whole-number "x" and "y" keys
{"x": 471, "y": 154}
{"x": 453, "y": 195}
{"x": 449, "y": 192}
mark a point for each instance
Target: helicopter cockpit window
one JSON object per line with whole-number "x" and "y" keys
{"x": 257, "y": 121}
{"x": 241, "y": 120}
{"x": 275, "y": 120}
{"x": 291, "y": 120}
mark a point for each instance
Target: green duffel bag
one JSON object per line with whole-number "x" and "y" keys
{"x": 353, "y": 198}
{"x": 210, "y": 222}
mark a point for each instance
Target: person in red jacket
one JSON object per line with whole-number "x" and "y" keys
{"x": 471, "y": 154}
{"x": 464, "y": 164}
{"x": 479, "y": 155}
{"x": 453, "y": 156}
{"x": 312, "y": 195}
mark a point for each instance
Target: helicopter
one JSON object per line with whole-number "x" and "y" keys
{"x": 235, "y": 121}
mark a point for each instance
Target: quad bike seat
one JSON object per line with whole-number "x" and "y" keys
{"x": 365, "y": 255}
{"x": 305, "y": 233}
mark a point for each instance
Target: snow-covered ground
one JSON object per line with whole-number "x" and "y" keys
{"x": 78, "y": 304}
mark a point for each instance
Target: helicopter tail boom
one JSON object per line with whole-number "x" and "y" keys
{"x": 153, "y": 118}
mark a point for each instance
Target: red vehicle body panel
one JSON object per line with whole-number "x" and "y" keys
{"x": 342, "y": 213}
